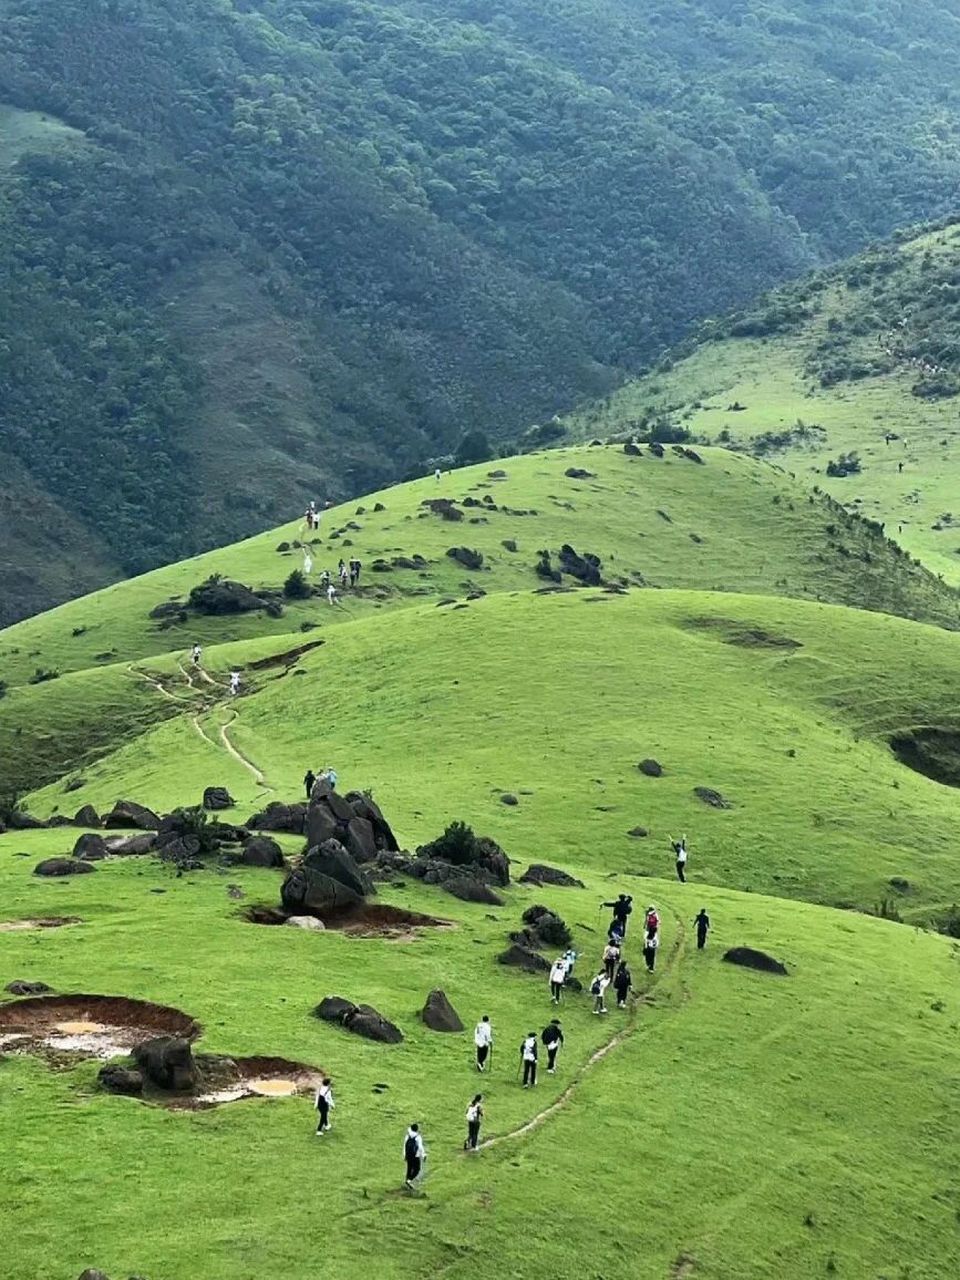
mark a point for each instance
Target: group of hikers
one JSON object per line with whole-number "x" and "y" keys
{"x": 614, "y": 970}
{"x": 327, "y": 774}
{"x": 196, "y": 661}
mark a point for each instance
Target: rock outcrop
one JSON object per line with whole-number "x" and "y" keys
{"x": 127, "y": 813}
{"x": 62, "y": 867}
{"x": 261, "y": 851}
{"x": 748, "y": 958}
{"x": 539, "y": 873}
{"x": 439, "y": 1014}
{"x": 362, "y": 1020}
{"x": 329, "y": 881}
{"x": 166, "y": 1062}
{"x": 86, "y": 816}
{"x": 290, "y": 818}
{"x": 91, "y": 847}
{"x": 215, "y": 798}
{"x": 354, "y": 820}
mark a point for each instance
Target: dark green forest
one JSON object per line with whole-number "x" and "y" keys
{"x": 256, "y": 251}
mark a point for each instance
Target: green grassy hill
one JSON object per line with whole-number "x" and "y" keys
{"x": 828, "y": 367}
{"x": 789, "y": 1104}
{"x": 299, "y": 246}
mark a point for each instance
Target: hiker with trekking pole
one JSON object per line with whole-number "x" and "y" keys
{"x": 483, "y": 1040}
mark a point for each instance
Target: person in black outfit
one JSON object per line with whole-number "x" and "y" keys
{"x": 474, "y": 1116}
{"x": 702, "y": 923}
{"x": 552, "y": 1038}
{"x": 621, "y": 911}
{"x": 622, "y": 983}
{"x": 309, "y": 778}
{"x": 528, "y": 1056}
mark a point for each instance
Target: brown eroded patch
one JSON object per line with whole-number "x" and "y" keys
{"x": 371, "y": 920}
{"x": 233, "y": 1079}
{"x": 38, "y": 922}
{"x": 88, "y": 1026}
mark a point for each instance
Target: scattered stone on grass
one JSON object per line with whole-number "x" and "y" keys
{"x": 651, "y": 768}
{"x": 361, "y": 1020}
{"x": 751, "y": 959}
{"x": 261, "y": 851}
{"x": 439, "y": 1014}
{"x": 578, "y": 473}
{"x": 523, "y": 958}
{"x": 712, "y": 798}
{"x": 638, "y": 832}
{"x": 539, "y": 873}
{"x": 217, "y": 798}
{"x": 63, "y": 867}
{"x": 90, "y": 847}
{"x": 509, "y": 799}
{"x": 20, "y": 987}
{"x": 469, "y": 558}
{"x": 86, "y": 816}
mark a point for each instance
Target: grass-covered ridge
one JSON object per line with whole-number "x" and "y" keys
{"x": 828, "y": 367}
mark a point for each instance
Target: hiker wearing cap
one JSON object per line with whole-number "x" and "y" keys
{"x": 621, "y": 912}
{"x": 702, "y": 924}
{"x": 528, "y": 1056}
{"x": 651, "y": 921}
{"x": 558, "y": 976}
{"x": 552, "y": 1038}
{"x": 483, "y": 1040}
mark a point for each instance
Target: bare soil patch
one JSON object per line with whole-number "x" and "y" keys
{"x": 38, "y": 922}
{"x": 89, "y": 1026}
{"x": 930, "y": 750}
{"x": 371, "y": 920}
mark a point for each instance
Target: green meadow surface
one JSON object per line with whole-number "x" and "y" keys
{"x": 768, "y": 379}
{"x": 748, "y": 1125}
{"x": 738, "y": 1124}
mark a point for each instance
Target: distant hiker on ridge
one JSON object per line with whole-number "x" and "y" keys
{"x": 414, "y": 1153}
{"x": 622, "y": 983}
{"x": 483, "y": 1040}
{"x": 528, "y": 1056}
{"x": 702, "y": 924}
{"x": 552, "y": 1038}
{"x": 558, "y": 976}
{"x": 621, "y": 912}
{"x": 234, "y": 682}
{"x": 309, "y": 778}
{"x": 680, "y": 853}
{"x": 474, "y": 1116}
{"x": 324, "y": 1104}
{"x": 437, "y": 474}
{"x": 196, "y": 653}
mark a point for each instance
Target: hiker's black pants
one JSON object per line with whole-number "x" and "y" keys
{"x": 323, "y": 1112}
{"x": 680, "y": 876}
{"x": 651, "y": 957}
{"x": 552, "y": 1050}
{"x": 529, "y": 1071}
{"x": 413, "y": 1168}
{"x": 473, "y": 1134}
{"x": 609, "y": 968}
{"x": 701, "y": 939}
{"x": 556, "y": 989}
{"x": 483, "y": 1052}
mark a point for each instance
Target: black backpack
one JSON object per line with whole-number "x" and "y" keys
{"x": 410, "y": 1148}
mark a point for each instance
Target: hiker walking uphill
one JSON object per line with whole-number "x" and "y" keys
{"x": 474, "y": 1117}
{"x": 414, "y": 1153}
{"x": 528, "y": 1057}
{"x": 196, "y": 653}
{"x": 702, "y": 924}
{"x": 622, "y": 983}
{"x": 324, "y": 1104}
{"x": 621, "y": 913}
{"x": 309, "y": 778}
{"x": 680, "y": 853}
{"x": 651, "y": 922}
{"x": 611, "y": 957}
{"x": 650, "y": 947}
{"x": 598, "y": 989}
{"x": 552, "y": 1038}
{"x": 483, "y": 1040}
{"x": 558, "y": 976}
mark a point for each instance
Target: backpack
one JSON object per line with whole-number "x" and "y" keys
{"x": 410, "y": 1148}
{"x": 595, "y": 987}
{"x": 653, "y": 922}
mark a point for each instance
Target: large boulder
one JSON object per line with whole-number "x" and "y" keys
{"x": 358, "y": 839}
{"x": 223, "y": 596}
{"x": 439, "y": 1014}
{"x": 321, "y": 825}
{"x": 652, "y": 768}
{"x": 332, "y": 859}
{"x": 167, "y": 1063}
{"x": 362, "y": 1020}
{"x": 217, "y": 798}
{"x": 467, "y": 556}
{"x": 523, "y": 958}
{"x": 91, "y": 847}
{"x": 539, "y": 873}
{"x": 469, "y": 889}
{"x": 585, "y": 568}
{"x": 62, "y": 867}
{"x": 545, "y": 928}
{"x": 124, "y": 846}
{"x": 19, "y": 820}
{"x": 114, "y": 1078}
{"x": 291, "y": 818}
{"x": 86, "y": 816}
{"x": 127, "y": 813}
{"x": 261, "y": 851}
{"x": 751, "y": 959}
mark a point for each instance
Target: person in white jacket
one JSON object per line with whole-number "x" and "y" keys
{"x": 414, "y": 1153}
{"x": 558, "y": 976}
{"x": 324, "y": 1104}
{"x": 597, "y": 989}
{"x": 483, "y": 1039}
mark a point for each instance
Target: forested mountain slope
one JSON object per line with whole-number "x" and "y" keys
{"x": 252, "y": 252}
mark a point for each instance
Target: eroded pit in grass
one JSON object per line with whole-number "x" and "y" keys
{"x": 38, "y": 922}
{"x": 371, "y": 920}
{"x": 90, "y": 1026}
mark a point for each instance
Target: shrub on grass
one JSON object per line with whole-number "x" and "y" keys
{"x": 296, "y": 586}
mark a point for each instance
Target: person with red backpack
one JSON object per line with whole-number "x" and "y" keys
{"x": 651, "y": 922}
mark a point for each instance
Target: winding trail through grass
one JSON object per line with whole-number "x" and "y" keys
{"x": 258, "y": 774}
{"x": 534, "y": 1123}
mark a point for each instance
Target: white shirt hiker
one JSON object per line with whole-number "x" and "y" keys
{"x": 483, "y": 1034}
{"x": 558, "y": 972}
